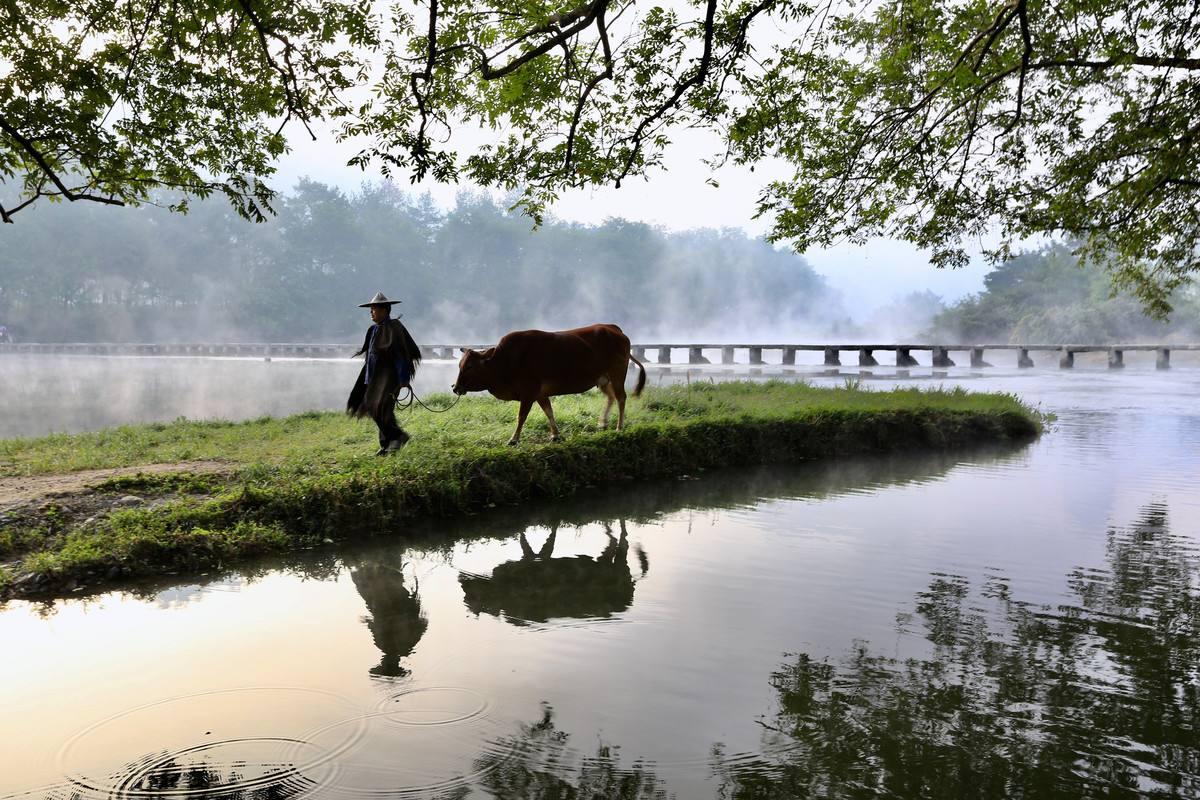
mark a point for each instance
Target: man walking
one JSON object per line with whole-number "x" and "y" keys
{"x": 389, "y": 364}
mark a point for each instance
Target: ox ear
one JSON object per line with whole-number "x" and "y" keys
{"x": 465, "y": 350}
{"x": 491, "y": 351}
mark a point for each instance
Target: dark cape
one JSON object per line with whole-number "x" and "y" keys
{"x": 392, "y": 342}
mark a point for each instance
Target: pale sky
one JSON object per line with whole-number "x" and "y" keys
{"x": 678, "y": 198}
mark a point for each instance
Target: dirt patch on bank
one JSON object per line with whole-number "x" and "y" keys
{"x": 27, "y": 490}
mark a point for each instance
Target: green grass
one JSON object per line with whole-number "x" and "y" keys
{"x": 305, "y": 479}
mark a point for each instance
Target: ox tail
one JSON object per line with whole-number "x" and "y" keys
{"x": 641, "y": 382}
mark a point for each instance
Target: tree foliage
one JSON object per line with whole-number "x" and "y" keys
{"x": 111, "y": 101}
{"x": 935, "y": 121}
{"x": 941, "y": 121}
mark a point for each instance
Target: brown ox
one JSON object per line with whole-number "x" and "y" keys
{"x": 533, "y": 366}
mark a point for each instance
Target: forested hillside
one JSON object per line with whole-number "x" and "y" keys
{"x": 1043, "y": 296}
{"x": 83, "y": 273}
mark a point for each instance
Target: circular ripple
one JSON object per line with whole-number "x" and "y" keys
{"x": 213, "y": 770}
{"x": 433, "y": 705}
{"x": 212, "y": 743}
{"x": 418, "y": 742}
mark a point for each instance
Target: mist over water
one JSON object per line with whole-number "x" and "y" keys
{"x": 70, "y": 394}
{"x": 989, "y": 623}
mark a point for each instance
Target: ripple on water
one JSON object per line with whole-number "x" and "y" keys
{"x": 212, "y": 744}
{"x": 417, "y": 741}
{"x": 433, "y": 705}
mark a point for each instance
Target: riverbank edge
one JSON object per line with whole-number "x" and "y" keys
{"x": 256, "y": 512}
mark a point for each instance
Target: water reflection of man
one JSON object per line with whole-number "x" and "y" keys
{"x": 389, "y": 364}
{"x": 396, "y": 622}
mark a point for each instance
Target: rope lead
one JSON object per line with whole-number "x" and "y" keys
{"x": 407, "y": 403}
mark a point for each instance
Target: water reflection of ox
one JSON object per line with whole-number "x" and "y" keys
{"x": 539, "y": 586}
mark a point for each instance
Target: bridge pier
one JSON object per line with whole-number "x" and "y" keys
{"x": 789, "y": 355}
{"x": 1116, "y": 359}
{"x": 726, "y": 355}
{"x": 941, "y": 357}
{"x": 904, "y": 358}
{"x": 977, "y": 358}
{"x": 1023, "y": 359}
{"x": 664, "y": 355}
{"x": 696, "y": 356}
{"x": 1067, "y": 361}
{"x": 756, "y": 355}
{"x": 1163, "y": 361}
{"x": 639, "y": 353}
{"x": 866, "y": 358}
{"x": 831, "y": 357}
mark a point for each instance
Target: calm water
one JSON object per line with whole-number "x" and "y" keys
{"x": 984, "y": 624}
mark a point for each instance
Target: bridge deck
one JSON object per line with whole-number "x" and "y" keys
{"x": 663, "y": 350}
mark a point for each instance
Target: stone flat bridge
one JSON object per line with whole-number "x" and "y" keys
{"x": 939, "y": 354}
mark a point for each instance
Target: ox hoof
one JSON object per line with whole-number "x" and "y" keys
{"x": 513, "y": 442}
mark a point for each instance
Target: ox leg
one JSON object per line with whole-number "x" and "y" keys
{"x": 609, "y": 555}
{"x": 521, "y": 415}
{"x": 544, "y": 402}
{"x": 606, "y": 387}
{"x": 548, "y": 547}
{"x": 616, "y": 390}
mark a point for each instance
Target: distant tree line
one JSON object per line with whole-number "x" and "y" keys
{"x": 1044, "y": 296}
{"x": 82, "y": 273}
{"x": 473, "y": 272}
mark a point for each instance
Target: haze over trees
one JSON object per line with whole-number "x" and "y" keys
{"x": 933, "y": 121}
{"x": 1043, "y": 296}
{"x": 470, "y": 273}
{"x": 475, "y": 271}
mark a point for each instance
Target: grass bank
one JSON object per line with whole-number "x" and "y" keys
{"x": 311, "y": 479}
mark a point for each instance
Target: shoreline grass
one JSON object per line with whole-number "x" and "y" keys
{"x": 297, "y": 482}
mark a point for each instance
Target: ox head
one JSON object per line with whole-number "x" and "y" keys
{"x": 474, "y": 371}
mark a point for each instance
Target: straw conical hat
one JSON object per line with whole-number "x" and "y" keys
{"x": 378, "y": 300}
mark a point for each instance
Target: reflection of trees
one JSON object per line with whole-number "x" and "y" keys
{"x": 396, "y": 621}
{"x": 539, "y": 764}
{"x": 538, "y": 586}
{"x": 639, "y": 502}
{"x": 1096, "y": 699}
{"x": 642, "y": 502}
{"x": 730, "y": 488}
